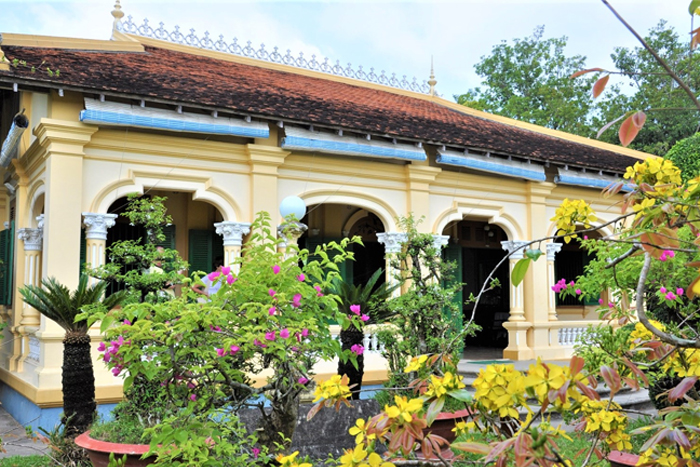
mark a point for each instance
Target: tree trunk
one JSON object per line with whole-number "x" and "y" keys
{"x": 78, "y": 381}
{"x": 348, "y": 338}
{"x": 276, "y": 429}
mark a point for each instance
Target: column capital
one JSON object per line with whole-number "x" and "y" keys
{"x": 440, "y": 241}
{"x": 392, "y": 241}
{"x": 514, "y": 247}
{"x": 232, "y": 232}
{"x": 552, "y": 250}
{"x": 40, "y": 221}
{"x": 96, "y": 225}
{"x": 32, "y": 238}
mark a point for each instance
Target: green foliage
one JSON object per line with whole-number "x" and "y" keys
{"x": 528, "y": 80}
{"x": 27, "y": 461}
{"x": 64, "y": 451}
{"x": 686, "y": 155}
{"x": 599, "y": 345}
{"x": 371, "y": 298}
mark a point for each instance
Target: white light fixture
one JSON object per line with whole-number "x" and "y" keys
{"x": 293, "y": 205}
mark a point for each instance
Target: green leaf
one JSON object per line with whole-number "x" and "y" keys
{"x": 519, "y": 271}
{"x": 476, "y": 448}
{"x": 434, "y": 409}
{"x": 533, "y": 254}
{"x": 106, "y": 323}
{"x": 461, "y": 395}
{"x": 128, "y": 382}
{"x": 694, "y": 5}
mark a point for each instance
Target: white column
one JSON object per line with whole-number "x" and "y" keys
{"x": 517, "y": 304}
{"x": 440, "y": 241}
{"x": 552, "y": 250}
{"x": 33, "y": 242}
{"x": 233, "y": 233}
{"x": 96, "y": 226}
{"x": 392, "y": 241}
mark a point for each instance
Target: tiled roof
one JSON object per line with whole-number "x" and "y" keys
{"x": 183, "y": 78}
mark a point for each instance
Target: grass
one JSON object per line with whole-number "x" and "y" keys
{"x": 26, "y": 461}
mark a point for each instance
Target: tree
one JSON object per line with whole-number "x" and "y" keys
{"x": 529, "y": 80}
{"x": 56, "y": 302}
{"x": 654, "y": 91}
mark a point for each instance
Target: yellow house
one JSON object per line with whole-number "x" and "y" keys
{"x": 225, "y": 132}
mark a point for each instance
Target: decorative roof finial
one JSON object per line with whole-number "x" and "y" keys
{"x": 118, "y": 14}
{"x": 432, "y": 82}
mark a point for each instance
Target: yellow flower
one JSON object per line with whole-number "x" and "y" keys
{"x": 359, "y": 431}
{"x": 569, "y": 214}
{"x": 335, "y": 388}
{"x": 290, "y": 461}
{"x": 462, "y": 428}
{"x": 375, "y": 460}
{"x": 404, "y": 409}
{"x": 438, "y": 387}
{"x": 501, "y": 389}
{"x": 415, "y": 364}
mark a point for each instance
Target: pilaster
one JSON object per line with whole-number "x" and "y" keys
{"x": 264, "y": 162}
{"x": 418, "y": 180}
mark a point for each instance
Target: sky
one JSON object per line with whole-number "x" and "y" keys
{"x": 397, "y": 36}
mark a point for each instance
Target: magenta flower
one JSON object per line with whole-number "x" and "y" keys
{"x": 230, "y": 279}
{"x": 270, "y": 336}
{"x": 296, "y": 301}
{"x": 256, "y": 452}
{"x": 272, "y": 293}
{"x": 611, "y": 305}
{"x": 276, "y": 269}
{"x": 572, "y": 284}
{"x": 578, "y": 291}
{"x": 364, "y": 318}
{"x": 190, "y": 385}
{"x": 355, "y": 309}
{"x": 585, "y": 237}
{"x": 271, "y": 311}
{"x": 116, "y": 370}
{"x": 214, "y": 328}
{"x": 101, "y": 347}
{"x": 284, "y": 333}
{"x": 259, "y": 344}
{"x": 220, "y": 352}
{"x": 301, "y": 277}
{"x": 670, "y": 296}
{"x": 213, "y": 275}
{"x": 304, "y": 332}
{"x": 662, "y": 289}
{"x": 193, "y": 397}
{"x": 679, "y": 291}
{"x": 302, "y": 380}
{"x": 226, "y": 270}
{"x": 600, "y": 301}
{"x": 234, "y": 349}
{"x": 318, "y": 290}
{"x": 127, "y": 322}
{"x": 357, "y": 349}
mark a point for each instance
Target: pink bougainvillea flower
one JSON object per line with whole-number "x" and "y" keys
{"x": 296, "y": 301}
{"x": 214, "y": 328}
{"x": 284, "y": 333}
{"x": 190, "y": 385}
{"x": 304, "y": 332}
{"x": 318, "y": 290}
{"x": 662, "y": 289}
{"x": 193, "y": 397}
{"x": 301, "y": 277}
{"x": 258, "y": 343}
{"x": 102, "y": 347}
{"x": 357, "y": 349}
{"x": 679, "y": 291}
{"x": 276, "y": 269}
{"x": 303, "y": 380}
{"x": 585, "y": 237}
{"x": 127, "y": 322}
{"x": 256, "y": 452}
{"x": 271, "y": 311}
{"x": 578, "y": 291}
{"x": 670, "y": 296}
{"x": 226, "y": 270}
{"x": 220, "y": 352}
{"x": 600, "y": 301}
{"x": 116, "y": 370}
{"x": 364, "y": 318}
{"x": 355, "y": 309}
{"x": 295, "y": 349}
{"x": 272, "y": 292}
{"x": 230, "y": 279}
{"x": 213, "y": 275}
{"x": 270, "y": 336}
{"x": 572, "y": 284}
{"x": 611, "y": 305}
{"x": 234, "y": 349}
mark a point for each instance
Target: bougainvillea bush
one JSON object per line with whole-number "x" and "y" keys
{"x": 252, "y": 344}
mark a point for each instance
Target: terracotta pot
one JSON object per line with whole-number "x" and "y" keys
{"x": 622, "y": 459}
{"x": 445, "y": 422}
{"x": 99, "y": 452}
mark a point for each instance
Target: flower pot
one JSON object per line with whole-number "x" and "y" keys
{"x": 99, "y": 452}
{"x": 445, "y": 422}
{"x": 622, "y": 459}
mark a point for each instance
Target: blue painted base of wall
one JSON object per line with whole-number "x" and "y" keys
{"x": 29, "y": 414}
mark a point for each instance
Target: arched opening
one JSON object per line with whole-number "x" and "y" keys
{"x": 333, "y": 222}
{"x": 570, "y": 263}
{"x": 475, "y": 247}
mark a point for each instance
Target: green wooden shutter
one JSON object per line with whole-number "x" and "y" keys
{"x": 5, "y": 269}
{"x": 169, "y": 242}
{"x": 200, "y": 249}
{"x": 83, "y": 251}
{"x": 453, "y": 253}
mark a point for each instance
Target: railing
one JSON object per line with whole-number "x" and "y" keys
{"x": 569, "y": 332}
{"x": 370, "y": 342}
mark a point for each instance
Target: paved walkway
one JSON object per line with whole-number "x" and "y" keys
{"x": 15, "y": 439}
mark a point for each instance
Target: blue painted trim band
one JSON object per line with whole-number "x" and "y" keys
{"x": 352, "y": 149}
{"x": 588, "y": 182}
{"x": 115, "y": 118}
{"x": 501, "y": 168}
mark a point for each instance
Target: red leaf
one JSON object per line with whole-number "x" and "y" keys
{"x": 587, "y": 391}
{"x": 611, "y": 378}
{"x": 576, "y": 365}
{"x": 608, "y": 125}
{"x": 314, "y": 410}
{"x": 600, "y": 85}
{"x": 476, "y": 448}
{"x": 680, "y": 390}
{"x": 635, "y": 369}
{"x": 583, "y": 72}
{"x": 630, "y": 127}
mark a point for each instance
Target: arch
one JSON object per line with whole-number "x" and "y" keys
{"x": 362, "y": 200}
{"x": 200, "y": 187}
{"x": 357, "y": 216}
{"x": 494, "y": 214}
{"x": 36, "y": 197}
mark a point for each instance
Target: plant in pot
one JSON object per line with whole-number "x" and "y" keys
{"x": 265, "y": 322}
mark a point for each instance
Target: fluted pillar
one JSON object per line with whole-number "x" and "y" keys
{"x": 96, "y": 226}
{"x": 517, "y": 326}
{"x": 233, "y": 233}
{"x": 393, "y": 242}
{"x": 33, "y": 240}
{"x": 517, "y": 304}
{"x": 552, "y": 250}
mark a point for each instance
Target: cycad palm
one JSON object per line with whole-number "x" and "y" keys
{"x": 56, "y": 302}
{"x": 372, "y": 301}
